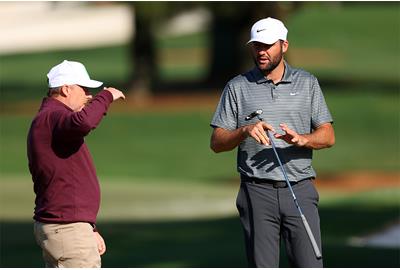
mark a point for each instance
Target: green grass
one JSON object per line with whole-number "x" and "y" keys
{"x": 197, "y": 241}
{"x": 364, "y": 36}
{"x": 132, "y": 198}
{"x": 23, "y": 76}
{"x": 175, "y": 145}
{"x": 190, "y": 244}
{"x": 172, "y": 146}
{"x": 373, "y": 199}
{"x": 367, "y": 129}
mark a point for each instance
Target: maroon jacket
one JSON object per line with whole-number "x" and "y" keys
{"x": 64, "y": 177}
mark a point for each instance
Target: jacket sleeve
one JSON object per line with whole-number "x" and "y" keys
{"x": 72, "y": 125}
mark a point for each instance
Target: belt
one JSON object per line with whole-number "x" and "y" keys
{"x": 273, "y": 183}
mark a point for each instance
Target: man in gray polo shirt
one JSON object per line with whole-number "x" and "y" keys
{"x": 294, "y": 110}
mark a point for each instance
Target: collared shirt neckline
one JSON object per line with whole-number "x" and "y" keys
{"x": 260, "y": 78}
{"x": 52, "y": 102}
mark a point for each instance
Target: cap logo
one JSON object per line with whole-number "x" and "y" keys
{"x": 260, "y": 30}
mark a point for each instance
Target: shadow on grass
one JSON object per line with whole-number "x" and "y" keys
{"x": 208, "y": 243}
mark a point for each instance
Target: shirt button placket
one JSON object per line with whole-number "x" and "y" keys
{"x": 273, "y": 92}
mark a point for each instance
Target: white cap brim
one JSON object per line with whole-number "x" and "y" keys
{"x": 88, "y": 84}
{"x": 91, "y": 84}
{"x": 265, "y": 41}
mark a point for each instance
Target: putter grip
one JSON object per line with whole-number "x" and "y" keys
{"x": 311, "y": 237}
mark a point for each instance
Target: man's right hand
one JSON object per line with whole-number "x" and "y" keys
{"x": 101, "y": 245}
{"x": 258, "y": 132}
{"x": 115, "y": 93}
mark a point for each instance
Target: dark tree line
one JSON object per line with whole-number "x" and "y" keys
{"x": 229, "y": 31}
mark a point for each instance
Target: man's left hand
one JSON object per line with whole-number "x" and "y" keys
{"x": 291, "y": 136}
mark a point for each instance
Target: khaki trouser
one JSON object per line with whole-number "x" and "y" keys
{"x": 68, "y": 245}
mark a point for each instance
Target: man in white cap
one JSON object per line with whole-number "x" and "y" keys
{"x": 65, "y": 182}
{"x": 294, "y": 110}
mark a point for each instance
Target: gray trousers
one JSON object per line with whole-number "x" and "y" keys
{"x": 268, "y": 214}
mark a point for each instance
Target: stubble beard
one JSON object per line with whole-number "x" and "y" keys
{"x": 272, "y": 64}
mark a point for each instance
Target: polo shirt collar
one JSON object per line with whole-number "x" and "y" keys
{"x": 287, "y": 76}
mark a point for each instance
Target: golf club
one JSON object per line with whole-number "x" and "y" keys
{"x": 317, "y": 252}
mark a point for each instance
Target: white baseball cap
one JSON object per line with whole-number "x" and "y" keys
{"x": 268, "y": 31}
{"x": 70, "y": 72}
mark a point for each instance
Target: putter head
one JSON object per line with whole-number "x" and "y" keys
{"x": 253, "y": 114}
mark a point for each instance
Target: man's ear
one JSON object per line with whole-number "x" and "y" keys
{"x": 285, "y": 46}
{"x": 65, "y": 90}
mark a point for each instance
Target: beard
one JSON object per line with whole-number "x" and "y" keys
{"x": 272, "y": 63}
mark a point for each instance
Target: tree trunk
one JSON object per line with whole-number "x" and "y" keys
{"x": 230, "y": 30}
{"x": 142, "y": 52}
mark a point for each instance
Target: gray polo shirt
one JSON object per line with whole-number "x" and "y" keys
{"x": 296, "y": 100}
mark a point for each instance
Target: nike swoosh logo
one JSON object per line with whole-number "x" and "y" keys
{"x": 293, "y": 94}
{"x": 260, "y": 30}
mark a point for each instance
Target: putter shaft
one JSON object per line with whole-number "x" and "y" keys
{"x": 303, "y": 218}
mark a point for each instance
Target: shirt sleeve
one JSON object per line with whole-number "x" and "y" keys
{"x": 320, "y": 113}
{"x": 70, "y": 125}
{"x": 225, "y": 115}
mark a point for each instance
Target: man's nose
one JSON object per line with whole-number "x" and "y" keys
{"x": 262, "y": 52}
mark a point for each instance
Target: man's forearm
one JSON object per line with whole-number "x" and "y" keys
{"x": 322, "y": 137}
{"x": 226, "y": 140}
